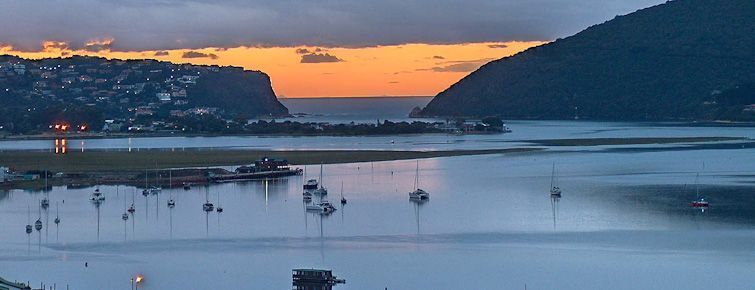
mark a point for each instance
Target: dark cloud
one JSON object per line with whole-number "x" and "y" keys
{"x": 319, "y": 58}
{"x": 438, "y": 57}
{"x": 138, "y": 25}
{"x": 162, "y": 53}
{"x": 197, "y": 54}
{"x": 457, "y": 65}
{"x": 499, "y": 45}
{"x": 302, "y": 51}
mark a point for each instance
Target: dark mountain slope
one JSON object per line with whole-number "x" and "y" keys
{"x": 671, "y": 61}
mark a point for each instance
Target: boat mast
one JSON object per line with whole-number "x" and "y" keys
{"x": 553, "y": 174}
{"x": 697, "y": 185}
{"x": 321, "y": 181}
{"x": 416, "y": 177}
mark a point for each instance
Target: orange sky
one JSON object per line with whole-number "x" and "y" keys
{"x": 398, "y": 70}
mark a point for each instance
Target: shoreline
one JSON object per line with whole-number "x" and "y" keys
{"x": 192, "y": 166}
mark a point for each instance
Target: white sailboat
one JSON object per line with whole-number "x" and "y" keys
{"x": 171, "y": 202}
{"x": 321, "y": 190}
{"x": 418, "y": 193}
{"x": 555, "y": 190}
{"x": 699, "y": 202}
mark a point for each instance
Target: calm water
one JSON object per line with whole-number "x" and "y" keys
{"x": 623, "y": 223}
{"x": 522, "y": 130}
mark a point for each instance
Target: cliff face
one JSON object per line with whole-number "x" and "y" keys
{"x": 236, "y": 91}
{"x": 678, "y": 60}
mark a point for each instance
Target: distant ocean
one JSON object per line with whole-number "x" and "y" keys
{"x": 363, "y": 109}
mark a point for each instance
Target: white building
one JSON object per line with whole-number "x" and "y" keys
{"x": 163, "y": 97}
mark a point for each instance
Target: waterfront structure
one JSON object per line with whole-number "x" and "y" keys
{"x": 311, "y": 279}
{"x": 8, "y": 285}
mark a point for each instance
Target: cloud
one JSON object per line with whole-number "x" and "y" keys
{"x": 53, "y": 46}
{"x": 162, "y": 53}
{"x": 438, "y": 57}
{"x": 302, "y": 51}
{"x": 98, "y": 45}
{"x": 140, "y": 25}
{"x": 319, "y": 58}
{"x": 197, "y": 54}
{"x": 457, "y": 66}
{"x": 498, "y": 45}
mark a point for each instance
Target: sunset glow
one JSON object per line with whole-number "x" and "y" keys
{"x": 396, "y": 70}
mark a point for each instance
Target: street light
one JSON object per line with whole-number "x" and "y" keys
{"x": 135, "y": 281}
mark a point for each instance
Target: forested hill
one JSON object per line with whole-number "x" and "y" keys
{"x": 685, "y": 59}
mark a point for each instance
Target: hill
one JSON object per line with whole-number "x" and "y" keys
{"x": 88, "y": 90}
{"x": 685, "y": 59}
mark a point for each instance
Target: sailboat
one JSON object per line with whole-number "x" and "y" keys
{"x": 45, "y": 203}
{"x": 219, "y": 209}
{"x": 343, "y": 199}
{"x": 322, "y": 190}
{"x": 124, "y": 216}
{"x": 208, "y": 206}
{"x": 28, "y": 219}
{"x": 97, "y": 196}
{"x": 555, "y": 190}
{"x": 699, "y": 201}
{"x": 38, "y": 223}
{"x": 57, "y": 214}
{"x": 418, "y": 193}
{"x": 324, "y": 207}
{"x": 171, "y": 202}
{"x": 131, "y": 209}
{"x": 145, "y": 192}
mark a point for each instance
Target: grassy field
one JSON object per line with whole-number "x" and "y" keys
{"x": 94, "y": 161}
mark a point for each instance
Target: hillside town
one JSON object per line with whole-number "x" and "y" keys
{"x": 112, "y": 94}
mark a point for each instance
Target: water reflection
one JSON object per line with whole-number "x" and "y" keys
{"x": 554, "y": 208}
{"x": 417, "y": 204}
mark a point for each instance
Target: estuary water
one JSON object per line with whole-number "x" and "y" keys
{"x": 623, "y": 221}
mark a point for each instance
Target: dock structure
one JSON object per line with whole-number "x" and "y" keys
{"x": 261, "y": 169}
{"x": 314, "y": 279}
{"x": 8, "y": 285}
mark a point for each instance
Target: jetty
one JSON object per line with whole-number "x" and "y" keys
{"x": 261, "y": 169}
{"x": 306, "y": 279}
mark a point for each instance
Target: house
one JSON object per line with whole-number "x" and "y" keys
{"x": 8, "y": 285}
{"x": 163, "y": 97}
{"x": 187, "y": 79}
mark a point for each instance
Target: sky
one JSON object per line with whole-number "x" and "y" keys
{"x": 310, "y": 48}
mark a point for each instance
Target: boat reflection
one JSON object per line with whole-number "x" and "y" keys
{"x": 418, "y": 204}
{"x": 554, "y": 208}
